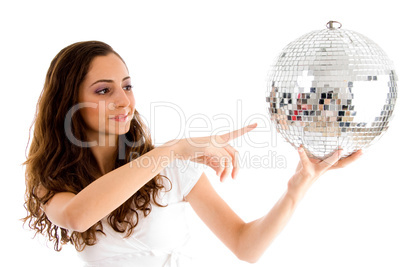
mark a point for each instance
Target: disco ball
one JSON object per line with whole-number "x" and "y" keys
{"x": 332, "y": 88}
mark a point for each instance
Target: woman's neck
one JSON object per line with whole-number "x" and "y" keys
{"x": 104, "y": 157}
{"x": 104, "y": 152}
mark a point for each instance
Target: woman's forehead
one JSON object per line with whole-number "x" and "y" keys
{"x": 110, "y": 62}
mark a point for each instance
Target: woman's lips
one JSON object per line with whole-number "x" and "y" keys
{"x": 120, "y": 118}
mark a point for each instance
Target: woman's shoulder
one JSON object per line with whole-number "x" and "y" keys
{"x": 183, "y": 175}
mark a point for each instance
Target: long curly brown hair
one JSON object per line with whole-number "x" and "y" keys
{"x": 55, "y": 164}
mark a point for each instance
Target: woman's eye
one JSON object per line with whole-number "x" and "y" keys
{"x": 128, "y": 87}
{"x": 103, "y": 91}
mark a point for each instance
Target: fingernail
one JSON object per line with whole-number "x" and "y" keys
{"x": 252, "y": 125}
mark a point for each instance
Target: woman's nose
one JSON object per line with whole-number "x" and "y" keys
{"x": 121, "y": 99}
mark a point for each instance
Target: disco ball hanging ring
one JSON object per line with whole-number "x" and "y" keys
{"x": 332, "y": 88}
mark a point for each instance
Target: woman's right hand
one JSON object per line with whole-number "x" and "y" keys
{"x": 213, "y": 151}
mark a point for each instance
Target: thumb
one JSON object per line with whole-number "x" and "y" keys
{"x": 303, "y": 156}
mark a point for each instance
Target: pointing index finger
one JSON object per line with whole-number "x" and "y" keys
{"x": 239, "y": 132}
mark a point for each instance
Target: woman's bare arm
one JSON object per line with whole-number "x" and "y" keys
{"x": 81, "y": 211}
{"x": 248, "y": 241}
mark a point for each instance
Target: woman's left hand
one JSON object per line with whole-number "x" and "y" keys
{"x": 309, "y": 169}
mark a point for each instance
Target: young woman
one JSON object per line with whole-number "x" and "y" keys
{"x": 94, "y": 178}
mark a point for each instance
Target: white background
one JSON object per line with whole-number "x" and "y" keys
{"x": 210, "y": 57}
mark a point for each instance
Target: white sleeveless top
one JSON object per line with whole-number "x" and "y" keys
{"x": 160, "y": 239}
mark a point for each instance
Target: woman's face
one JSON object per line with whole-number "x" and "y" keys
{"x": 106, "y": 97}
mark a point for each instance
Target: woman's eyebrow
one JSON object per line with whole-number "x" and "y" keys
{"x": 108, "y": 81}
